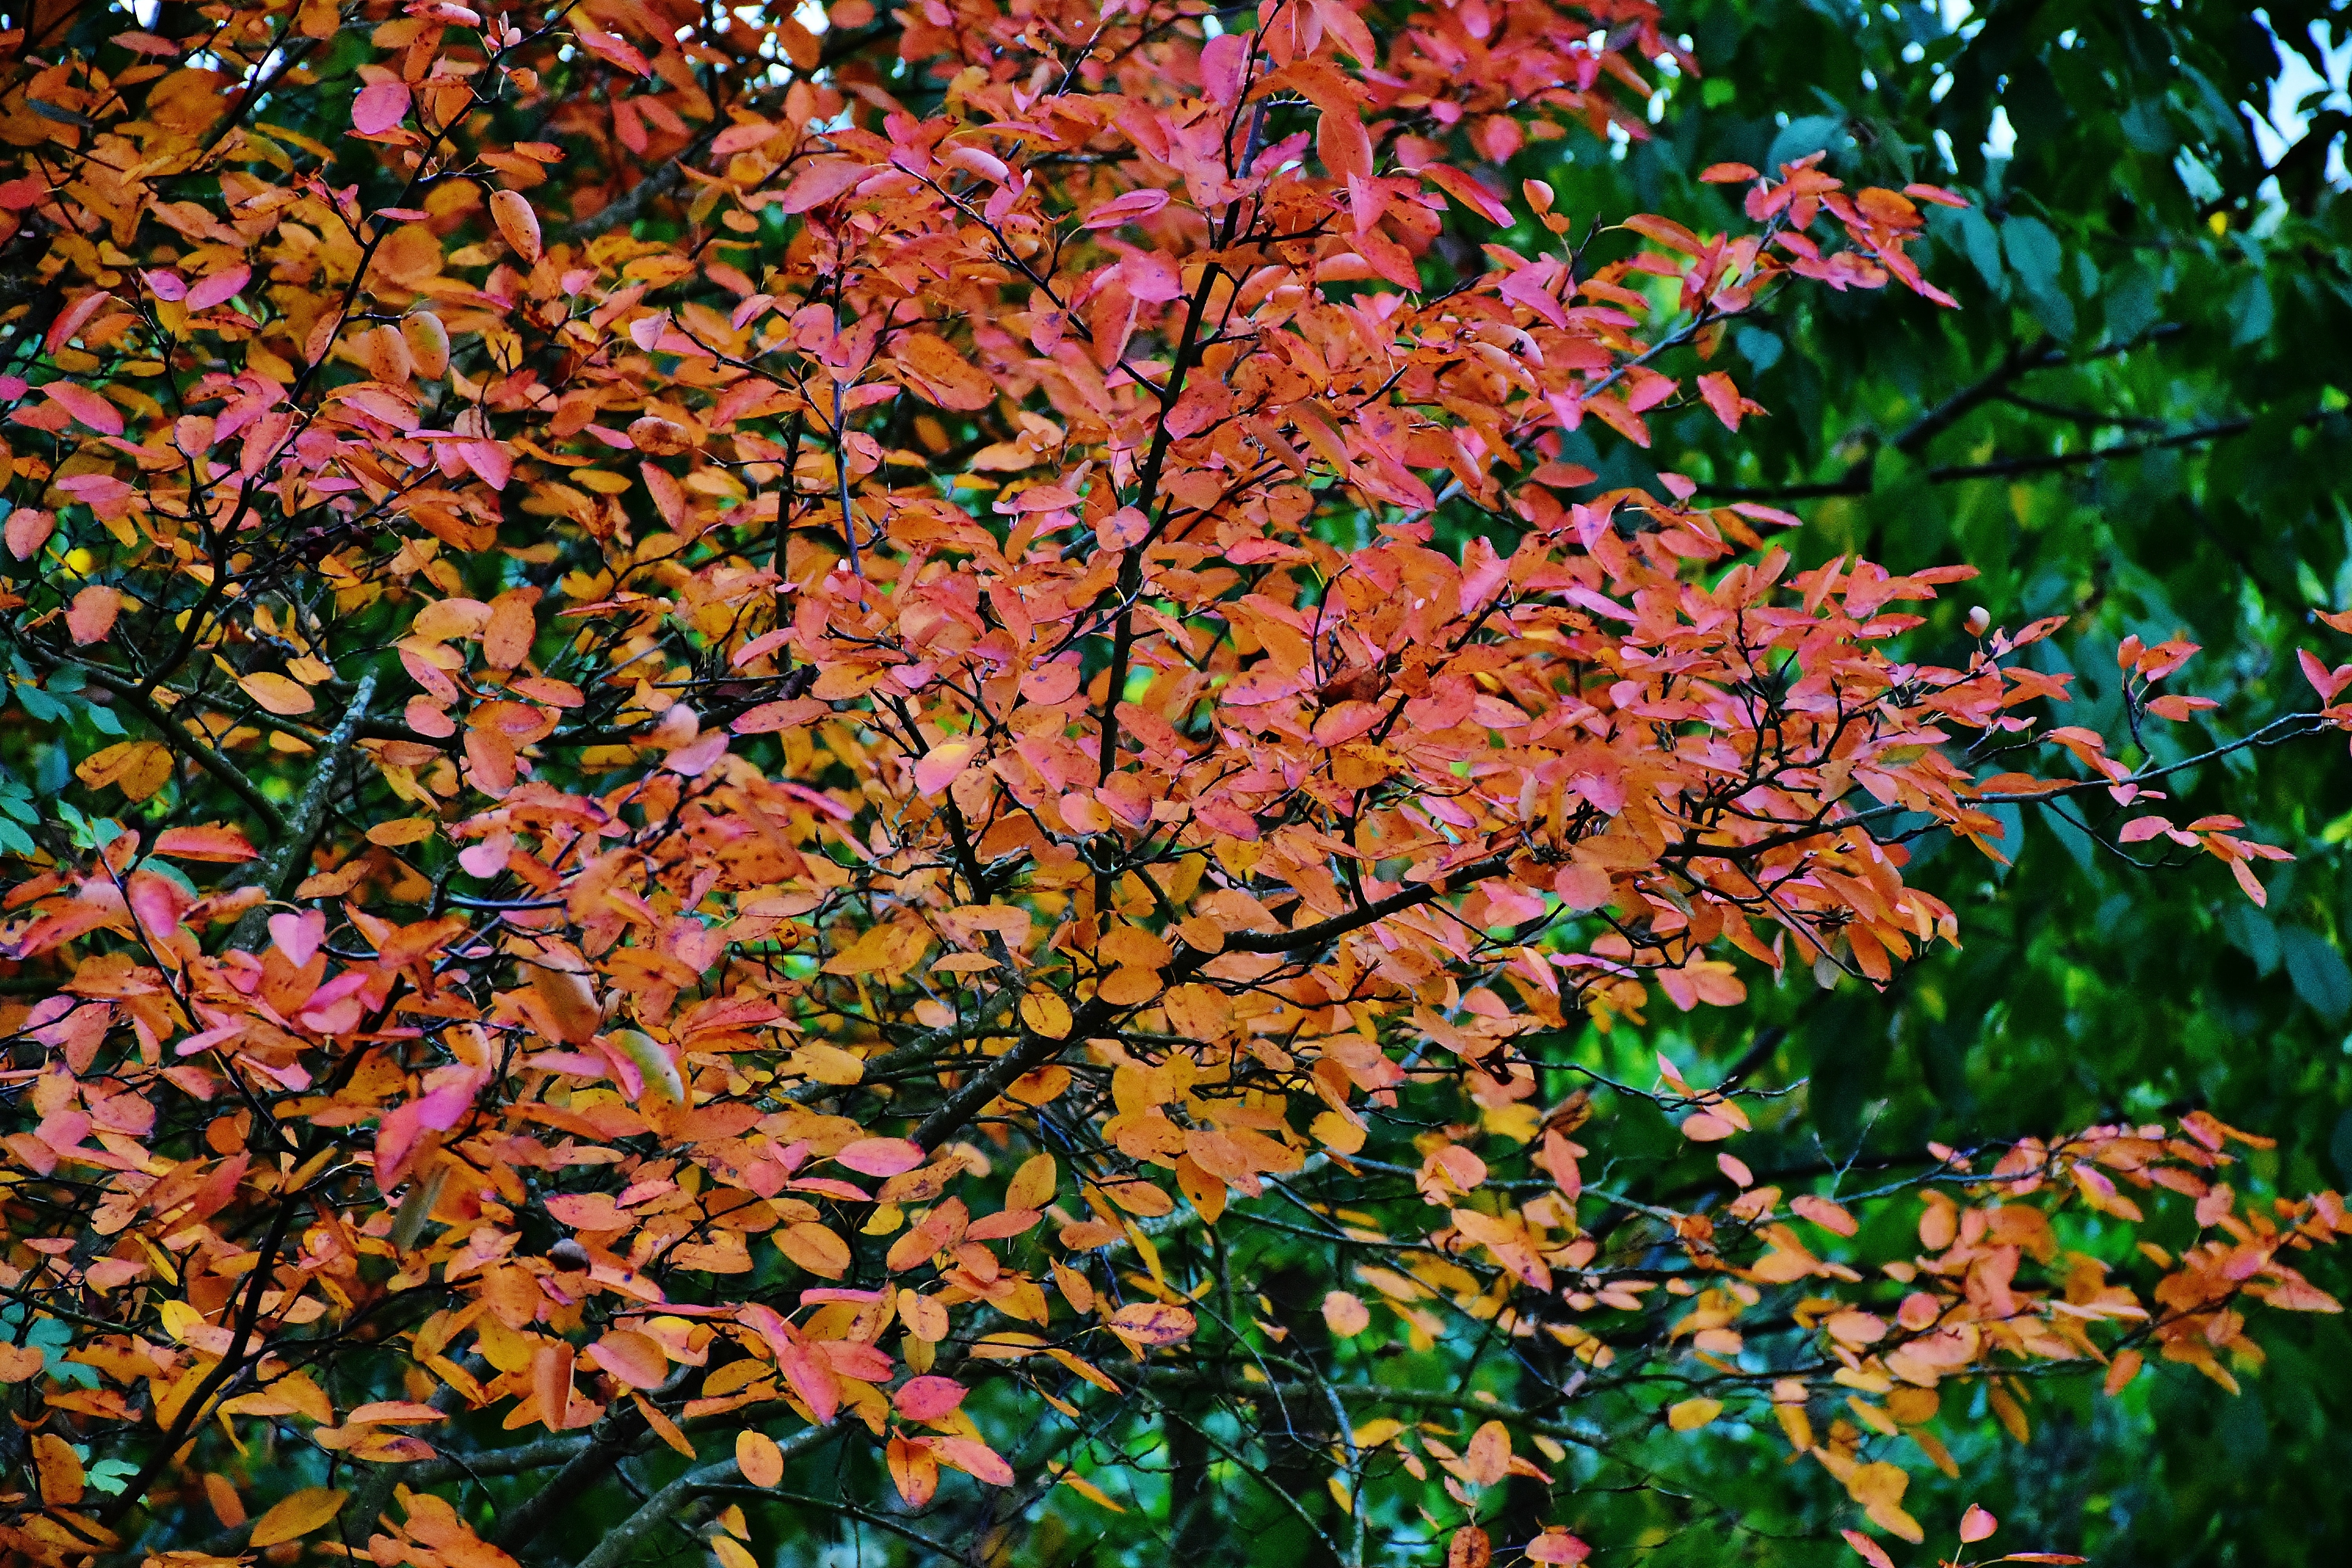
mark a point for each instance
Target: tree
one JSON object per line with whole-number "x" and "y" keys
{"x": 791, "y": 820}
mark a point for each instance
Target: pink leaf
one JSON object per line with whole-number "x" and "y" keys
{"x": 1872, "y": 1552}
{"x": 927, "y": 1398}
{"x": 945, "y": 764}
{"x": 91, "y": 615}
{"x": 380, "y": 106}
{"x": 87, "y": 407}
{"x": 1824, "y": 1213}
{"x": 881, "y": 1156}
{"x": 1976, "y": 1525}
{"x": 1129, "y": 209}
{"x": 218, "y": 289}
{"x": 298, "y": 936}
{"x": 1721, "y": 396}
{"x": 975, "y": 1459}
{"x": 213, "y": 841}
{"x": 820, "y": 182}
{"x": 609, "y": 47}
{"x": 27, "y": 528}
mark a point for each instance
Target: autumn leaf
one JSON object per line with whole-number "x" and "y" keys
{"x": 1468, "y": 1547}
{"x": 1693, "y": 1414}
{"x": 1345, "y": 1315}
{"x": 511, "y": 212}
{"x": 59, "y": 1470}
{"x": 757, "y": 1455}
{"x": 277, "y": 694}
{"x": 1830, "y": 1217}
{"x": 927, "y": 1398}
{"x": 294, "y": 1516}
{"x": 214, "y": 842}
{"x": 633, "y": 1358}
{"x": 1150, "y": 1324}
{"x": 1869, "y": 1550}
{"x": 137, "y": 768}
{"x": 379, "y": 106}
{"x": 91, "y": 617}
{"x": 944, "y": 764}
{"x": 86, "y": 405}
{"x": 1132, "y": 207}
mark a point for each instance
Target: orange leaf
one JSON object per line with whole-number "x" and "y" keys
{"x": 277, "y": 694}
{"x": 757, "y": 1455}
{"x": 57, "y": 1469}
{"x": 1151, "y": 1323}
{"x": 510, "y": 210}
{"x": 1345, "y": 1315}
{"x": 633, "y": 1358}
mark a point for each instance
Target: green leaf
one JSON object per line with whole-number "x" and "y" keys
{"x": 2317, "y": 972}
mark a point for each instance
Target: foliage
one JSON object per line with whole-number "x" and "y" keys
{"x": 947, "y": 779}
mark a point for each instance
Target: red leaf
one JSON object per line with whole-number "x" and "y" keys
{"x": 216, "y": 841}
{"x": 2326, "y": 681}
{"x": 1723, "y": 397}
{"x": 1468, "y": 192}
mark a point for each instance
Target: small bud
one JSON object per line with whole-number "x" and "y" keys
{"x": 1979, "y": 619}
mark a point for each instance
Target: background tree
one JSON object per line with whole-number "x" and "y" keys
{"x": 970, "y": 783}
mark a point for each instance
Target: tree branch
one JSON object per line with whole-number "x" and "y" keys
{"x": 620, "y": 1546}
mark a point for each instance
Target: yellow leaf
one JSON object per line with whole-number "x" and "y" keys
{"x": 1046, "y": 1013}
{"x": 732, "y": 1554}
{"x": 663, "y": 1081}
{"x": 138, "y": 768}
{"x": 277, "y": 694}
{"x": 1088, "y": 1490}
{"x": 1693, "y": 1414}
{"x": 291, "y": 1518}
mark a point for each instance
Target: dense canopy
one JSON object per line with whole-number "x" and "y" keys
{"x": 1028, "y": 781}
